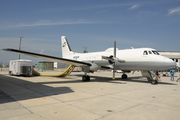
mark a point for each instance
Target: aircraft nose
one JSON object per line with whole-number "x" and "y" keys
{"x": 169, "y": 63}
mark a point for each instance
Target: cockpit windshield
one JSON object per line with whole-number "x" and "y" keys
{"x": 145, "y": 53}
{"x": 150, "y": 52}
{"x": 155, "y": 52}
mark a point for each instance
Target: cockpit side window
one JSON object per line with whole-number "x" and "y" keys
{"x": 155, "y": 52}
{"x": 150, "y": 52}
{"x": 145, "y": 53}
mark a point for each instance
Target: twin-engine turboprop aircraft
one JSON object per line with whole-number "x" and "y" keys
{"x": 141, "y": 59}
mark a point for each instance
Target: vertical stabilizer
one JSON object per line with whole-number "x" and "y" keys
{"x": 66, "y": 50}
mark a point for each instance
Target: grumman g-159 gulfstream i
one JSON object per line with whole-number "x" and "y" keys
{"x": 140, "y": 59}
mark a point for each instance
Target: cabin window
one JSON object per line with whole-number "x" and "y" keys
{"x": 176, "y": 60}
{"x": 145, "y": 53}
{"x": 150, "y": 52}
{"x": 155, "y": 52}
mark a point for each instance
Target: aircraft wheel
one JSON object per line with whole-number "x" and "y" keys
{"x": 85, "y": 78}
{"x": 154, "y": 82}
{"x": 124, "y": 76}
{"x": 10, "y": 73}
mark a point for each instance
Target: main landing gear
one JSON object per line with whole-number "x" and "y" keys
{"x": 85, "y": 78}
{"x": 124, "y": 76}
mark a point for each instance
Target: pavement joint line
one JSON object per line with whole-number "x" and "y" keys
{"x": 96, "y": 97}
{"x": 42, "y": 105}
{"x": 19, "y": 115}
{"x": 27, "y": 114}
{"x": 23, "y": 107}
{"x": 17, "y": 102}
{"x": 23, "y": 94}
{"x": 160, "y": 107}
{"x": 27, "y": 88}
{"x": 64, "y": 102}
{"x": 74, "y": 107}
{"x": 122, "y": 110}
{"x": 147, "y": 104}
{"x": 29, "y": 93}
{"x": 84, "y": 110}
{"x": 89, "y": 97}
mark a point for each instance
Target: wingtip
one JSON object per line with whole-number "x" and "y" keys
{"x": 8, "y": 49}
{"x": 5, "y": 49}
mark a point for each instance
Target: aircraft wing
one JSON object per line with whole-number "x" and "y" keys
{"x": 52, "y": 58}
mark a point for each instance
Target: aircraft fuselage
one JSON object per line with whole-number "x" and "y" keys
{"x": 136, "y": 59}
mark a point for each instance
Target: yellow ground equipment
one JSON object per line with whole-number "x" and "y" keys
{"x": 63, "y": 74}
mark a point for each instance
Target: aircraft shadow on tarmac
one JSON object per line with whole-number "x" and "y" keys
{"x": 15, "y": 86}
{"x": 137, "y": 79}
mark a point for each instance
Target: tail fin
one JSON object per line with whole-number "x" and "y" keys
{"x": 66, "y": 50}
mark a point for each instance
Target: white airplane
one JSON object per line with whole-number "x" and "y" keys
{"x": 141, "y": 59}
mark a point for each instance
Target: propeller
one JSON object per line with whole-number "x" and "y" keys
{"x": 113, "y": 59}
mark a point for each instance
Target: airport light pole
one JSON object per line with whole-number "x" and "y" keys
{"x": 85, "y": 49}
{"x": 20, "y": 46}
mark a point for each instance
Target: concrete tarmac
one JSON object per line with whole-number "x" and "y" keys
{"x": 57, "y": 98}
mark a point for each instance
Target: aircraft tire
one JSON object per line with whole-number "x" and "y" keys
{"x": 124, "y": 76}
{"x": 10, "y": 73}
{"x": 85, "y": 78}
{"x": 154, "y": 82}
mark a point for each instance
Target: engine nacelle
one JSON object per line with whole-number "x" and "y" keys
{"x": 92, "y": 68}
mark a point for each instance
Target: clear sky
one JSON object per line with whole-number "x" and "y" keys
{"x": 88, "y": 23}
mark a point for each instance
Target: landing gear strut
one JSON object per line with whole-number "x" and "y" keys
{"x": 85, "y": 78}
{"x": 124, "y": 76}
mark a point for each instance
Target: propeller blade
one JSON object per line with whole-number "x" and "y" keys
{"x": 107, "y": 58}
{"x": 114, "y": 49}
{"x": 114, "y": 72}
{"x": 114, "y": 57}
{"x": 122, "y": 61}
